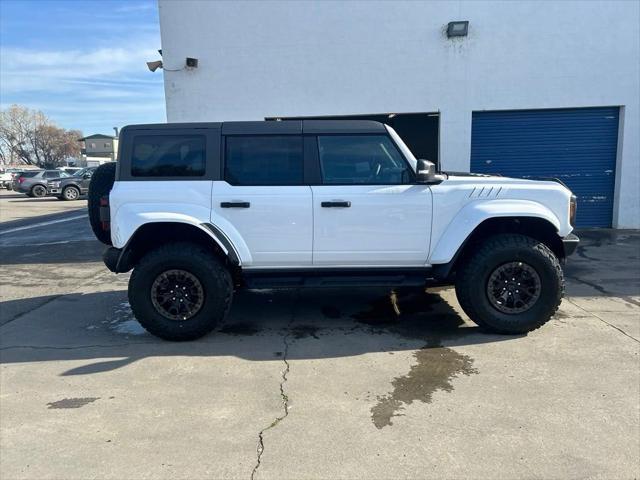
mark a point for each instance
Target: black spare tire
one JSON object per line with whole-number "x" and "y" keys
{"x": 100, "y": 186}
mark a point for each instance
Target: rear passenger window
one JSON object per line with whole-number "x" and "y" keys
{"x": 168, "y": 156}
{"x": 361, "y": 160}
{"x": 263, "y": 160}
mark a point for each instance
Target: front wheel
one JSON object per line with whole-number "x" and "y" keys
{"x": 512, "y": 284}
{"x": 180, "y": 291}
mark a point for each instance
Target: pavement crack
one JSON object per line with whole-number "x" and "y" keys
{"x": 22, "y": 314}
{"x": 605, "y": 322}
{"x": 90, "y": 280}
{"x": 283, "y": 393}
{"x": 604, "y": 291}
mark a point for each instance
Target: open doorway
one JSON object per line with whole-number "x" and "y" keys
{"x": 420, "y": 131}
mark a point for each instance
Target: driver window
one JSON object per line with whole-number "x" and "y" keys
{"x": 361, "y": 160}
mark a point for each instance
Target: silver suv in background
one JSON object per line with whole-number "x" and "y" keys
{"x": 34, "y": 183}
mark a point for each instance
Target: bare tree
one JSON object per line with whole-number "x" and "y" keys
{"x": 15, "y": 124}
{"x": 28, "y": 136}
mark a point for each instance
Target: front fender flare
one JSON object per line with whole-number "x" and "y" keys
{"x": 474, "y": 213}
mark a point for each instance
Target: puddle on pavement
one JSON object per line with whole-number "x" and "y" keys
{"x": 411, "y": 313}
{"x": 434, "y": 370}
{"x": 72, "y": 402}
{"x": 240, "y": 329}
{"x": 329, "y": 311}
{"x": 416, "y": 314}
{"x": 122, "y": 321}
{"x": 303, "y": 331}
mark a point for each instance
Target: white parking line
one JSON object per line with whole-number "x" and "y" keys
{"x": 43, "y": 224}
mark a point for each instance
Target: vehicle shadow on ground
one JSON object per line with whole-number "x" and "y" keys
{"x": 76, "y": 250}
{"x": 15, "y": 195}
{"x": 24, "y": 198}
{"x": 263, "y": 326}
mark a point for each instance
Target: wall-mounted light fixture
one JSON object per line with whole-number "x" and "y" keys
{"x": 153, "y": 66}
{"x": 189, "y": 63}
{"x": 458, "y": 29}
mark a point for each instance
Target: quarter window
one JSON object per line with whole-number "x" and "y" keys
{"x": 361, "y": 160}
{"x": 168, "y": 156}
{"x": 263, "y": 160}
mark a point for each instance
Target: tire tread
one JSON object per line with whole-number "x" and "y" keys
{"x": 216, "y": 270}
{"x": 466, "y": 275}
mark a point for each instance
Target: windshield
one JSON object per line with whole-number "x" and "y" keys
{"x": 403, "y": 147}
{"x": 80, "y": 172}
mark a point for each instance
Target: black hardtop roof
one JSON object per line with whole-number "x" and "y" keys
{"x": 284, "y": 127}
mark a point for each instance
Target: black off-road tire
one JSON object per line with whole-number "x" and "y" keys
{"x": 207, "y": 268}
{"x": 473, "y": 276}
{"x": 38, "y": 191}
{"x": 65, "y": 193}
{"x": 100, "y": 186}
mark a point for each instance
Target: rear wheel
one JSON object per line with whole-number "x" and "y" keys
{"x": 511, "y": 284}
{"x": 70, "y": 193}
{"x": 38, "y": 191}
{"x": 180, "y": 291}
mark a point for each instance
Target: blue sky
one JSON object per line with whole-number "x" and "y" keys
{"x": 82, "y": 62}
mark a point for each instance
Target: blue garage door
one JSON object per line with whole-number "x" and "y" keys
{"x": 577, "y": 146}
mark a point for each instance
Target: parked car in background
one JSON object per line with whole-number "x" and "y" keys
{"x": 71, "y": 170}
{"x": 6, "y": 179}
{"x": 34, "y": 182}
{"x": 9, "y": 175}
{"x": 71, "y": 188}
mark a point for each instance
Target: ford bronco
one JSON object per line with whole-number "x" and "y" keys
{"x": 198, "y": 211}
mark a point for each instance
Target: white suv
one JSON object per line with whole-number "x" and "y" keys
{"x": 199, "y": 210}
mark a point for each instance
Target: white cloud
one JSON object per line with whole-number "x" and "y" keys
{"x": 83, "y": 87}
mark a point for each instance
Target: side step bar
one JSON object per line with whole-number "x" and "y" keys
{"x": 255, "y": 279}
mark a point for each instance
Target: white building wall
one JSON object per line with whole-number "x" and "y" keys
{"x": 263, "y": 59}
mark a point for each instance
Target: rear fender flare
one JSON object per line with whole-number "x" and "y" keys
{"x": 126, "y": 230}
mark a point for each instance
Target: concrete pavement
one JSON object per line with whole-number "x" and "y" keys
{"x": 311, "y": 383}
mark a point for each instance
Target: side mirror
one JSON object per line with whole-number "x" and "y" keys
{"x": 426, "y": 171}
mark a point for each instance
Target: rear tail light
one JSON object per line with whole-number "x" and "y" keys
{"x": 573, "y": 208}
{"x": 20, "y": 179}
{"x": 105, "y": 213}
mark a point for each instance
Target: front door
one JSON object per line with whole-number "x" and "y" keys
{"x": 263, "y": 199}
{"x": 368, "y": 212}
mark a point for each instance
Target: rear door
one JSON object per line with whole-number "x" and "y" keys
{"x": 368, "y": 211}
{"x": 262, "y": 197}
{"x": 85, "y": 180}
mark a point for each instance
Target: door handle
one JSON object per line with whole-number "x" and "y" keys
{"x": 235, "y": 204}
{"x": 336, "y": 204}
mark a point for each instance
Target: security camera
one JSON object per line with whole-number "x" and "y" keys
{"x": 153, "y": 66}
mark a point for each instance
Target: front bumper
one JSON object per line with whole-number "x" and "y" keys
{"x": 570, "y": 244}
